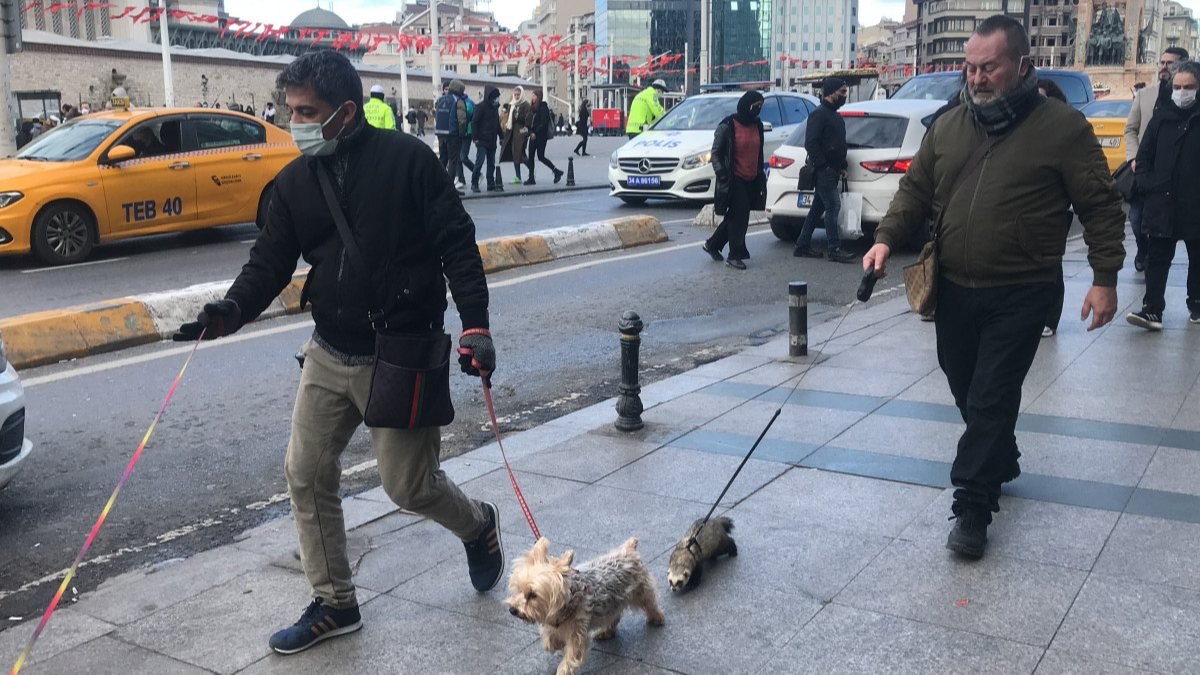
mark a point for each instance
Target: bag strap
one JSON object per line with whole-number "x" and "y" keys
{"x": 347, "y": 237}
{"x": 968, "y": 167}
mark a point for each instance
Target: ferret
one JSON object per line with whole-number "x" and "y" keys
{"x": 703, "y": 541}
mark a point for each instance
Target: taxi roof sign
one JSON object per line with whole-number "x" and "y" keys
{"x": 119, "y": 99}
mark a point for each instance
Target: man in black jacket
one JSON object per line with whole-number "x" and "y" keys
{"x": 825, "y": 142}
{"x": 414, "y": 235}
{"x": 486, "y": 134}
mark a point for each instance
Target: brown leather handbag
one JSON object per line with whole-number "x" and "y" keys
{"x": 921, "y": 277}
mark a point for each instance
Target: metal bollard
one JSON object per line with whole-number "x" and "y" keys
{"x": 629, "y": 403}
{"x": 798, "y": 318}
{"x": 499, "y": 177}
{"x": 570, "y": 172}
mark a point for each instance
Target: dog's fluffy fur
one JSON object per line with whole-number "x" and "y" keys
{"x": 705, "y": 540}
{"x": 569, "y": 604}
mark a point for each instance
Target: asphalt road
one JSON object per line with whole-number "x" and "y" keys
{"x": 165, "y": 262}
{"x": 214, "y": 465}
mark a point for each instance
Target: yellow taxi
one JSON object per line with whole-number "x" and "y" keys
{"x": 1107, "y": 116}
{"x": 130, "y": 172}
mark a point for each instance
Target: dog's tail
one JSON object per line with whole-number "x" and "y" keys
{"x": 726, "y": 523}
{"x": 630, "y": 544}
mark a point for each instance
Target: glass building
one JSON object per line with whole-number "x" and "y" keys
{"x": 741, "y": 32}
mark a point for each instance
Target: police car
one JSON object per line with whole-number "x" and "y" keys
{"x": 673, "y": 159}
{"x": 129, "y": 172}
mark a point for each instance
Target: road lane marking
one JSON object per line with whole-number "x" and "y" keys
{"x": 538, "y": 206}
{"x": 67, "y": 267}
{"x": 276, "y": 330}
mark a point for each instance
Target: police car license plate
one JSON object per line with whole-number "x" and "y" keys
{"x": 645, "y": 181}
{"x": 1110, "y": 141}
{"x": 805, "y": 200}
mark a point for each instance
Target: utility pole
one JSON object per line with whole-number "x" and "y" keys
{"x": 10, "y": 32}
{"x": 435, "y": 49}
{"x": 578, "y": 45}
{"x": 687, "y": 64}
{"x": 404, "y": 86}
{"x": 165, "y": 39}
{"x": 705, "y": 9}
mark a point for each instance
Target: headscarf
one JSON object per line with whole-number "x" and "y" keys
{"x": 745, "y": 115}
{"x": 512, "y": 106}
{"x": 999, "y": 114}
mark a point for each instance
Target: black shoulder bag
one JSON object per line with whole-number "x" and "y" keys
{"x": 410, "y": 385}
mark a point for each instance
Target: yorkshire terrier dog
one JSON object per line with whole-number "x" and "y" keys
{"x": 569, "y": 604}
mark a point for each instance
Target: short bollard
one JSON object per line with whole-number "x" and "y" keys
{"x": 798, "y": 318}
{"x": 499, "y": 177}
{"x": 629, "y": 403}
{"x": 570, "y": 172}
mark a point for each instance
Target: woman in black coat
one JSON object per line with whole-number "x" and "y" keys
{"x": 581, "y": 126}
{"x": 1168, "y": 173}
{"x": 737, "y": 160}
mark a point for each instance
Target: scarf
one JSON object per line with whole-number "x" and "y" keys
{"x": 512, "y": 111}
{"x": 999, "y": 115}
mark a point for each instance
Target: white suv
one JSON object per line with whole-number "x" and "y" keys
{"x": 673, "y": 159}
{"x": 14, "y": 447}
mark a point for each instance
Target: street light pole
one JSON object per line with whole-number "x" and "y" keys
{"x": 165, "y": 39}
{"x": 403, "y": 85}
{"x": 705, "y": 8}
{"x": 575, "y": 96}
{"x": 435, "y": 50}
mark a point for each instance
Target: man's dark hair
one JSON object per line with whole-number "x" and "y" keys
{"x": 1190, "y": 67}
{"x": 329, "y": 73}
{"x": 1178, "y": 51}
{"x": 1014, "y": 34}
{"x": 1052, "y": 89}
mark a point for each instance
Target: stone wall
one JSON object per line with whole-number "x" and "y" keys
{"x": 86, "y": 73}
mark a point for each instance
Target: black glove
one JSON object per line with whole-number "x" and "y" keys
{"x": 476, "y": 353}
{"x": 218, "y": 319}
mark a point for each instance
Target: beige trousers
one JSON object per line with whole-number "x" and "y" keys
{"x": 329, "y": 408}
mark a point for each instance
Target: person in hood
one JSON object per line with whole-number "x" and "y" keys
{"x": 486, "y": 135}
{"x": 379, "y": 114}
{"x": 737, "y": 161}
{"x": 1168, "y": 173}
{"x": 581, "y": 128}
{"x": 415, "y": 238}
{"x": 825, "y": 142}
{"x": 646, "y": 108}
{"x": 516, "y": 138}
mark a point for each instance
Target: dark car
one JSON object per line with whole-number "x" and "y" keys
{"x": 945, "y": 86}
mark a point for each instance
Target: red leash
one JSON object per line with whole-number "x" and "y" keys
{"x": 487, "y": 396}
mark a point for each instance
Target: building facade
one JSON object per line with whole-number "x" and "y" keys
{"x": 946, "y": 25}
{"x": 1179, "y": 28}
{"x": 1052, "y": 26}
{"x": 814, "y": 35}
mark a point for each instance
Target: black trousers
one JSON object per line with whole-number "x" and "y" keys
{"x": 1054, "y": 317}
{"x": 1160, "y": 253}
{"x": 986, "y": 341}
{"x": 537, "y": 151}
{"x": 454, "y": 148}
{"x": 732, "y": 229}
{"x": 582, "y": 146}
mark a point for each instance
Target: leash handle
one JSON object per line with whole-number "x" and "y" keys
{"x": 487, "y": 397}
{"x": 867, "y": 286}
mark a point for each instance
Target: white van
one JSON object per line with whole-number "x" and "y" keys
{"x": 673, "y": 159}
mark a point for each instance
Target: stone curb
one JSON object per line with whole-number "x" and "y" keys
{"x": 48, "y": 337}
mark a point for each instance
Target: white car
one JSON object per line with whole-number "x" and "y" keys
{"x": 14, "y": 447}
{"x": 882, "y": 137}
{"x": 673, "y": 159}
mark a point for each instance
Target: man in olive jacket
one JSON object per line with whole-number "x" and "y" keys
{"x": 1002, "y": 236}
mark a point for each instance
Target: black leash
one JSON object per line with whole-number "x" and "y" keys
{"x": 865, "y": 288}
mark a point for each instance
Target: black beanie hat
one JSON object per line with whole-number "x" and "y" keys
{"x": 831, "y": 84}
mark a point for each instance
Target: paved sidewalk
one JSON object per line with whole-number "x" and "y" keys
{"x": 1093, "y": 565}
{"x": 591, "y": 172}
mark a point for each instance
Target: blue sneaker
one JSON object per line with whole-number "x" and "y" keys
{"x": 319, "y": 622}
{"x": 485, "y": 555}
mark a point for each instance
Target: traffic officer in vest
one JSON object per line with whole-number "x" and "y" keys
{"x": 645, "y": 109}
{"x": 379, "y": 113}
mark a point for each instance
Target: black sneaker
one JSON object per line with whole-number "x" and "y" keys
{"x": 319, "y": 622}
{"x": 1144, "y": 319}
{"x": 1195, "y": 316}
{"x": 1139, "y": 262}
{"x": 837, "y": 255}
{"x": 806, "y": 252}
{"x": 531, "y": 182}
{"x": 485, "y": 555}
{"x": 557, "y": 176}
{"x": 969, "y": 536}
{"x": 715, "y": 255}
{"x": 736, "y": 264}
{"x": 475, "y": 188}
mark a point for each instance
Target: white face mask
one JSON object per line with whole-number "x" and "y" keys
{"x": 1184, "y": 98}
{"x": 310, "y": 138}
